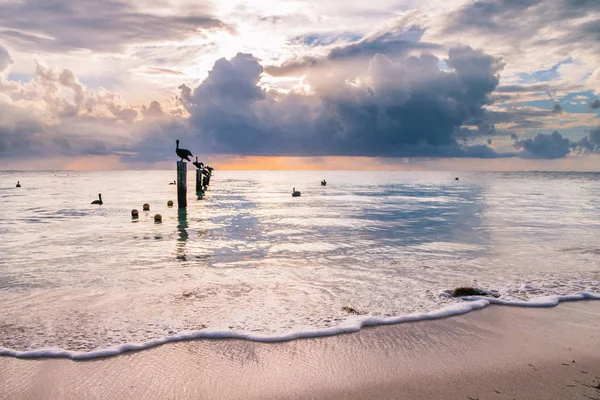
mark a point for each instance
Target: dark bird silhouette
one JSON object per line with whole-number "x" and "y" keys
{"x": 323, "y": 183}
{"x": 173, "y": 183}
{"x": 98, "y": 201}
{"x": 198, "y": 165}
{"x": 183, "y": 153}
{"x": 456, "y": 178}
{"x": 18, "y": 184}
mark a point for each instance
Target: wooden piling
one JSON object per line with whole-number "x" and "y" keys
{"x": 181, "y": 184}
{"x": 198, "y": 181}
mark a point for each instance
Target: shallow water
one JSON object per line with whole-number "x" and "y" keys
{"x": 251, "y": 259}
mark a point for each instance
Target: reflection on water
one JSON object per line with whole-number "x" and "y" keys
{"x": 249, "y": 257}
{"x": 182, "y": 234}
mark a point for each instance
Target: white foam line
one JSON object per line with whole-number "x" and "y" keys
{"x": 353, "y": 324}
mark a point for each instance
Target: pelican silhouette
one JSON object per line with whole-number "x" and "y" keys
{"x": 198, "y": 165}
{"x": 98, "y": 201}
{"x": 183, "y": 153}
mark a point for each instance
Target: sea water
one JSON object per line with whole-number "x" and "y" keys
{"x": 249, "y": 260}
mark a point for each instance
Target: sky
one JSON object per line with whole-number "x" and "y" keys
{"x": 301, "y": 84}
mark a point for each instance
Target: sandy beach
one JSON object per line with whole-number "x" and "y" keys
{"x": 495, "y": 353}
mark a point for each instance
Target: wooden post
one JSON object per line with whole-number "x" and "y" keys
{"x": 198, "y": 180}
{"x": 181, "y": 184}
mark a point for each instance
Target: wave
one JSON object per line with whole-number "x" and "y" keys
{"x": 351, "y": 325}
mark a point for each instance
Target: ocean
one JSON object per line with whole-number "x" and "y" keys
{"x": 249, "y": 260}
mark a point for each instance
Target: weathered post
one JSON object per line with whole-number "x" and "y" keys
{"x": 198, "y": 180}
{"x": 181, "y": 184}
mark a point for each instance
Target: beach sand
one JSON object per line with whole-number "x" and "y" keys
{"x": 496, "y": 353}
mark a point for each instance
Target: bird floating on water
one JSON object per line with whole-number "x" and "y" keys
{"x": 18, "y": 184}
{"x": 295, "y": 193}
{"x": 456, "y": 178}
{"x": 323, "y": 183}
{"x": 173, "y": 183}
{"x": 198, "y": 165}
{"x": 182, "y": 153}
{"x": 99, "y": 201}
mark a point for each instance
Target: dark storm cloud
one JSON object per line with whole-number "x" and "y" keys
{"x": 88, "y": 24}
{"x": 545, "y": 146}
{"x": 409, "y": 108}
{"x": 594, "y": 105}
{"x": 396, "y": 42}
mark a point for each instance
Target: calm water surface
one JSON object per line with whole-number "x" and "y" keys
{"x": 251, "y": 258}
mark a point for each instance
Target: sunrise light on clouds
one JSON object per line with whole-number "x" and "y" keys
{"x": 284, "y": 84}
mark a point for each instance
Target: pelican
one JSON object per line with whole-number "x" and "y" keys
{"x": 198, "y": 165}
{"x": 98, "y": 201}
{"x": 295, "y": 193}
{"x": 18, "y": 184}
{"x": 182, "y": 153}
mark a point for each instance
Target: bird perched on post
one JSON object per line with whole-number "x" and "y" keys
{"x": 183, "y": 153}
{"x": 198, "y": 165}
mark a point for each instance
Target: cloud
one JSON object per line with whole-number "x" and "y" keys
{"x": 162, "y": 71}
{"x": 524, "y": 18}
{"x": 545, "y": 146}
{"x": 396, "y": 41}
{"x": 392, "y": 108}
{"x": 55, "y": 114}
{"x": 107, "y": 26}
{"x": 545, "y": 87}
{"x": 594, "y": 105}
{"x": 532, "y": 34}
{"x": 595, "y": 135}
{"x": 5, "y": 59}
{"x": 589, "y": 144}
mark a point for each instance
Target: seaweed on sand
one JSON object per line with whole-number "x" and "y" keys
{"x": 351, "y": 310}
{"x": 465, "y": 291}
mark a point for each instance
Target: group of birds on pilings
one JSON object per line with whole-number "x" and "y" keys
{"x": 206, "y": 171}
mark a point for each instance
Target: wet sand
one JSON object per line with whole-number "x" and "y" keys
{"x": 496, "y": 353}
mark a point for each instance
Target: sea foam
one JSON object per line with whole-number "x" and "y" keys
{"x": 350, "y": 325}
